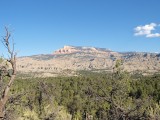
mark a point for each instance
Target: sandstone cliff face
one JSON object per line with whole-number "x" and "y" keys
{"x": 70, "y": 59}
{"x": 66, "y": 50}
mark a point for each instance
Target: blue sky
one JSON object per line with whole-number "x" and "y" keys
{"x": 42, "y": 26}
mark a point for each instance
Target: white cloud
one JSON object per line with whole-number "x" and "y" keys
{"x": 153, "y": 35}
{"x": 146, "y": 30}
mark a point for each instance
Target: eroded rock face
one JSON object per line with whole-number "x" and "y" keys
{"x": 66, "y": 50}
{"x": 70, "y": 59}
{"x": 72, "y": 49}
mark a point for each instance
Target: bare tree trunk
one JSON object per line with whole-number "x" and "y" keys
{"x": 12, "y": 61}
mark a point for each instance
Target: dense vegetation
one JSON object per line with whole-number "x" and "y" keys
{"x": 97, "y": 96}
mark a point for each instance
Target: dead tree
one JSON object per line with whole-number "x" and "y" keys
{"x": 11, "y": 60}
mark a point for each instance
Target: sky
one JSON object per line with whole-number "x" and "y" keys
{"x": 43, "y": 26}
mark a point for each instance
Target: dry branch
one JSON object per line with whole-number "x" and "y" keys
{"x": 12, "y": 61}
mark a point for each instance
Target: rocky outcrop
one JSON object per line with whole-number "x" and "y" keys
{"x": 66, "y": 50}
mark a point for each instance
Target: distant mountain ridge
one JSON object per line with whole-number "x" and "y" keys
{"x": 73, "y": 49}
{"x": 69, "y": 59}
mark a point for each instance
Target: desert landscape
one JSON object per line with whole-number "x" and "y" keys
{"x": 79, "y": 60}
{"x": 69, "y": 59}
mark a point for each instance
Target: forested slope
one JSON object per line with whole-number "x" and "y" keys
{"x": 97, "y": 96}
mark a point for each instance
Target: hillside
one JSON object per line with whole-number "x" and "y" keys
{"x": 69, "y": 59}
